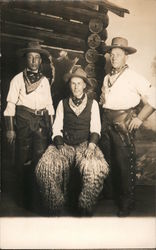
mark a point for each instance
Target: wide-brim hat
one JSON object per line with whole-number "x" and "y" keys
{"x": 33, "y": 46}
{"x": 77, "y": 71}
{"x": 119, "y": 42}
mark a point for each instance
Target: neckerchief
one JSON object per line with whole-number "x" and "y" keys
{"x": 78, "y": 109}
{"x": 32, "y": 80}
{"x": 112, "y": 78}
{"x": 78, "y": 101}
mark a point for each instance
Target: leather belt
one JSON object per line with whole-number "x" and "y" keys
{"x": 116, "y": 115}
{"x": 38, "y": 112}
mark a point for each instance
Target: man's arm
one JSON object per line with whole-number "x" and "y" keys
{"x": 10, "y": 132}
{"x": 136, "y": 122}
{"x": 148, "y": 93}
{"x": 9, "y": 112}
{"x": 95, "y": 129}
{"x": 49, "y": 105}
{"x": 58, "y": 126}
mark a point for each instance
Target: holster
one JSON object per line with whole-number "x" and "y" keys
{"x": 119, "y": 120}
{"x": 122, "y": 127}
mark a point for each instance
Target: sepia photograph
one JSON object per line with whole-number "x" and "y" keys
{"x": 78, "y": 124}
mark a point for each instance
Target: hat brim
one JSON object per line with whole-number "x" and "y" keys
{"x": 22, "y": 52}
{"x": 68, "y": 76}
{"x": 129, "y": 50}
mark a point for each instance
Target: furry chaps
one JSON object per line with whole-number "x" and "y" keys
{"x": 53, "y": 172}
{"x": 93, "y": 171}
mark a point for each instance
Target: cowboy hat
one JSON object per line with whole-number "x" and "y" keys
{"x": 77, "y": 71}
{"x": 33, "y": 46}
{"x": 119, "y": 42}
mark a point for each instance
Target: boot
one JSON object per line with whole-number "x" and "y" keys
{"x": 126, "y": 206}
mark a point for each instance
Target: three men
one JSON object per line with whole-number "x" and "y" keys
{"x": 29, "y": 102}
{"x": 76, "y": 132}
{"x": 122, "y": 91}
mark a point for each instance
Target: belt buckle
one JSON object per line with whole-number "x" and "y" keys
{"x": 38, "y": 112}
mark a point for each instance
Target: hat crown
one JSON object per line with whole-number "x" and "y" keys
{"x": 77, "y": 71}
{"x": 119, "y": 41}
{"x": 34, "y": 45}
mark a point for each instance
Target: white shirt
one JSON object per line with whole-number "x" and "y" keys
{"x": 38, "y": 99}
{"x": 127, "y": 91}
{"x": 95, "y": 123}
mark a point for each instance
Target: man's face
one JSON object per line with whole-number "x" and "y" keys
{"x": 77, "y": 86}
{"x": 118, "y": 58}
{"x": 33, "y": 60}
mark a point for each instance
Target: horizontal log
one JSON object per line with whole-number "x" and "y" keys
{"x": 4, "y": 35}
{"x": 90, "y": 5}
{"x": 72, "y": 3}
{"x": 61, "y": 9}
{"x": 46, "y": 22}
{"x": 11, "y": 43}
{"x": 80, "y": 14}
{"x": 111, "y": 7}
{"x": 49, "y": 38}
{"x": 77, "y": 4}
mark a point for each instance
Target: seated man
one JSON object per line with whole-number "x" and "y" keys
{"x": 76, "y": 132}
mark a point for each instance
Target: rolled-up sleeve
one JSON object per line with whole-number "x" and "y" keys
{"x": 10, "y": 109}
{"x": 49, "y": 105}
{"x": 151, "y": 98}
{"x": 58, "y": 123}
{"x": 12, "y": 97}
{"x": 146, "y": 90}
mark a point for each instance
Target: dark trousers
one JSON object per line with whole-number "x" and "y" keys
{"x": 32, "y": 141}
{"x": 118, "y": 147}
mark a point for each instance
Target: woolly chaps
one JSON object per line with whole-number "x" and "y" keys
{"x": 53, "y": 176}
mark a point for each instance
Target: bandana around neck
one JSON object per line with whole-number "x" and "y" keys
{"x": 78, "y": 101}
{"x": 78, "y": 109}
{"x": 116, "y": 72}
{"x": 32, "y": 80}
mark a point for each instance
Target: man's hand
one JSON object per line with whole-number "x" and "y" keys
{"x": 90, "y": 150}
{"x": 61, "y": 149}
{"x": 10, "y": 135}
{"x": 102, "y": 99}
{"x": 135, "y": 124}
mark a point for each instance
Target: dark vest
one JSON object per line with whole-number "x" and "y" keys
{"x": 76, "y": 128}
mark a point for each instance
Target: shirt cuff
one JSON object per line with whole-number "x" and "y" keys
{"x": 51, "y": 111}
{"x": 94, "y": 138}
{"x": 58, "y": 140}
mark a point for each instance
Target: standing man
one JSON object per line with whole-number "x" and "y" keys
{"x": 29, "y": 103}
{"x": 122, "y": 91}
{"x": 76, "y": 132}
